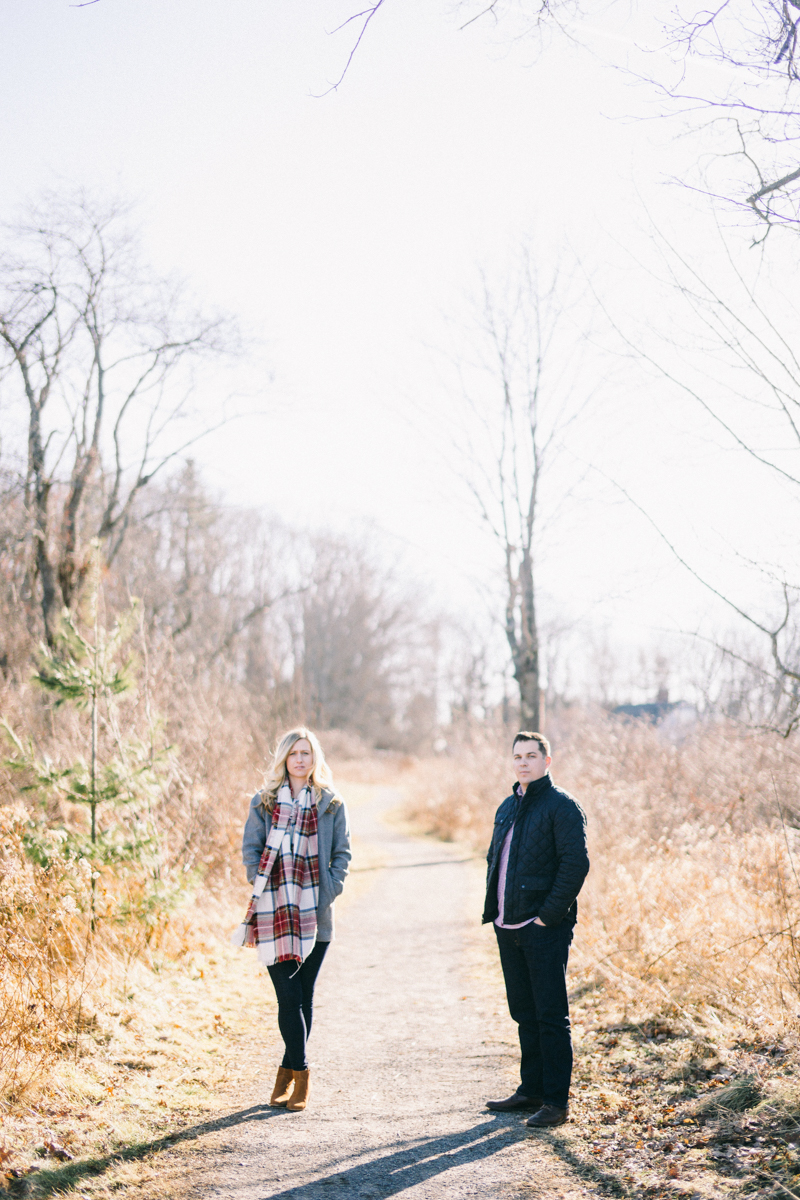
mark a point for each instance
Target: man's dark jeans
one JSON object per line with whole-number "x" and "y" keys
{"x": 534, "y": 962}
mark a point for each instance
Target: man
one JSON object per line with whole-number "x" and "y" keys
{"x": 537, "y": 864}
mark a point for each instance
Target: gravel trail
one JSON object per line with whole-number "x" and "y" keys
{"x": 401, "y": 1054}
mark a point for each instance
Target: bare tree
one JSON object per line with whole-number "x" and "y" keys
{"x": 734, "y": 356}
{"x": 358, "y": 643}
{"x": 209, "y": 577}
{"x": 522, "y": 394}
{"x": 758, "y": 36}
{"x": 751, "y": 113}
{"x": 774, "y": 678}
{"x": 737, "y": 360}
{"x": 282, "y": 624}
{"x": 747, "y": 112}
{"x": 96, "y": 355}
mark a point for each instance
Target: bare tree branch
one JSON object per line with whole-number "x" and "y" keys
{"x": 94, "y": 341}
{"x": 519, "y": 398}
{"x": 367, "y": 14}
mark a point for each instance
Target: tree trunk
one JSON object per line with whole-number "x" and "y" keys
{"x": 526, "y": 674}
{"x": 526, "y": 659}
{"x": 37, "y": 499}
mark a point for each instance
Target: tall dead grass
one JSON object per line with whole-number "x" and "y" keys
{"x": 68, "y": 949}
{"x": 73, "y": 933}
{"x": 40, "y": 956}
{"x": 693, "y": 901}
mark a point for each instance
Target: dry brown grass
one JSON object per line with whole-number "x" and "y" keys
{"x": 155, "y": 1061}
{"x": 686, "y": 1069}
{"x": 693, "y": 902}
{"x": 130, "y": 1091}
{"x": 37, "y": 966}
{"x": 115, "y": 1038}
{"x": 113, "y": 1043}
{"x": 658, "y": 1110}
{"x": 116, "y": 1041}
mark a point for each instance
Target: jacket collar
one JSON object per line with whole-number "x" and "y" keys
{"x": 534, "y": 789}
{"x": 325, "y": 798}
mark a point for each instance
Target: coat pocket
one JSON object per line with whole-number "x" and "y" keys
{"x": 327, "y": 893}
{"x": 536, "y": 883}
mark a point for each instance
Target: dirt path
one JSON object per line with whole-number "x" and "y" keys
{"x": 402, "y": 1057}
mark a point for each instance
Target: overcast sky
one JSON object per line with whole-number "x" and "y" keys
{"x": 347, "y": 232}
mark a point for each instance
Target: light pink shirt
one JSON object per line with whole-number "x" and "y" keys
{"x": 501, "y": 885}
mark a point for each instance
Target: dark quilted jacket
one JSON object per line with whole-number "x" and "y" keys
{"x": 548, "y": 860}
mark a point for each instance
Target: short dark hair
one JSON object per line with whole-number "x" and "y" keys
{"x": 525, "y": 735}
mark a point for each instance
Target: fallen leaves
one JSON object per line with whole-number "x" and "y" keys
{"x": 56, "y": 1150}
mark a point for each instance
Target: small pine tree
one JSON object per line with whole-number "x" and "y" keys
{"x": 120, "y": 776}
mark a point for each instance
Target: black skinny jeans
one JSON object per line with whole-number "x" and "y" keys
{"x": 295, "y": 991}
{"x": 534, "y": 962}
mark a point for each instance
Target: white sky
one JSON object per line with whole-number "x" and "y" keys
{"x": 345, "y": 232}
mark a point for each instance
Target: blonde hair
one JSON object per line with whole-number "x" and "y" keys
{"x": 277, "y": 774}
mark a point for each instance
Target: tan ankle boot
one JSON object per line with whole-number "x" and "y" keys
{"x": 299, "y": 1097}
{"x": 283, "y": 1088}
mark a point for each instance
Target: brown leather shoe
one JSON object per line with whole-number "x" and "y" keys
{"x": 548, "y": 1114}
{"x": 514, "y": 1102}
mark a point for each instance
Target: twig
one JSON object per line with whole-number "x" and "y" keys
{"x": 367, "y": 14}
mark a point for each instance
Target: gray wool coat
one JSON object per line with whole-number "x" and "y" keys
{"x": 333, "y": 838}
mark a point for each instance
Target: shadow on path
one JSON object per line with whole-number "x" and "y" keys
{"x": 411, "y": 1162}
{"x": 583, "y": 1165}
{"x": 50, "y": 1181}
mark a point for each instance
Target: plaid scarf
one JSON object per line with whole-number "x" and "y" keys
{"x": 281, "y": 919}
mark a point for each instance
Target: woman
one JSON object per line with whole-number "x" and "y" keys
{"x": 296, "y": 850}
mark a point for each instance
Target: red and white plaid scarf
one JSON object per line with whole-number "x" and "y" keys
{"x": 281, "y": 920}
